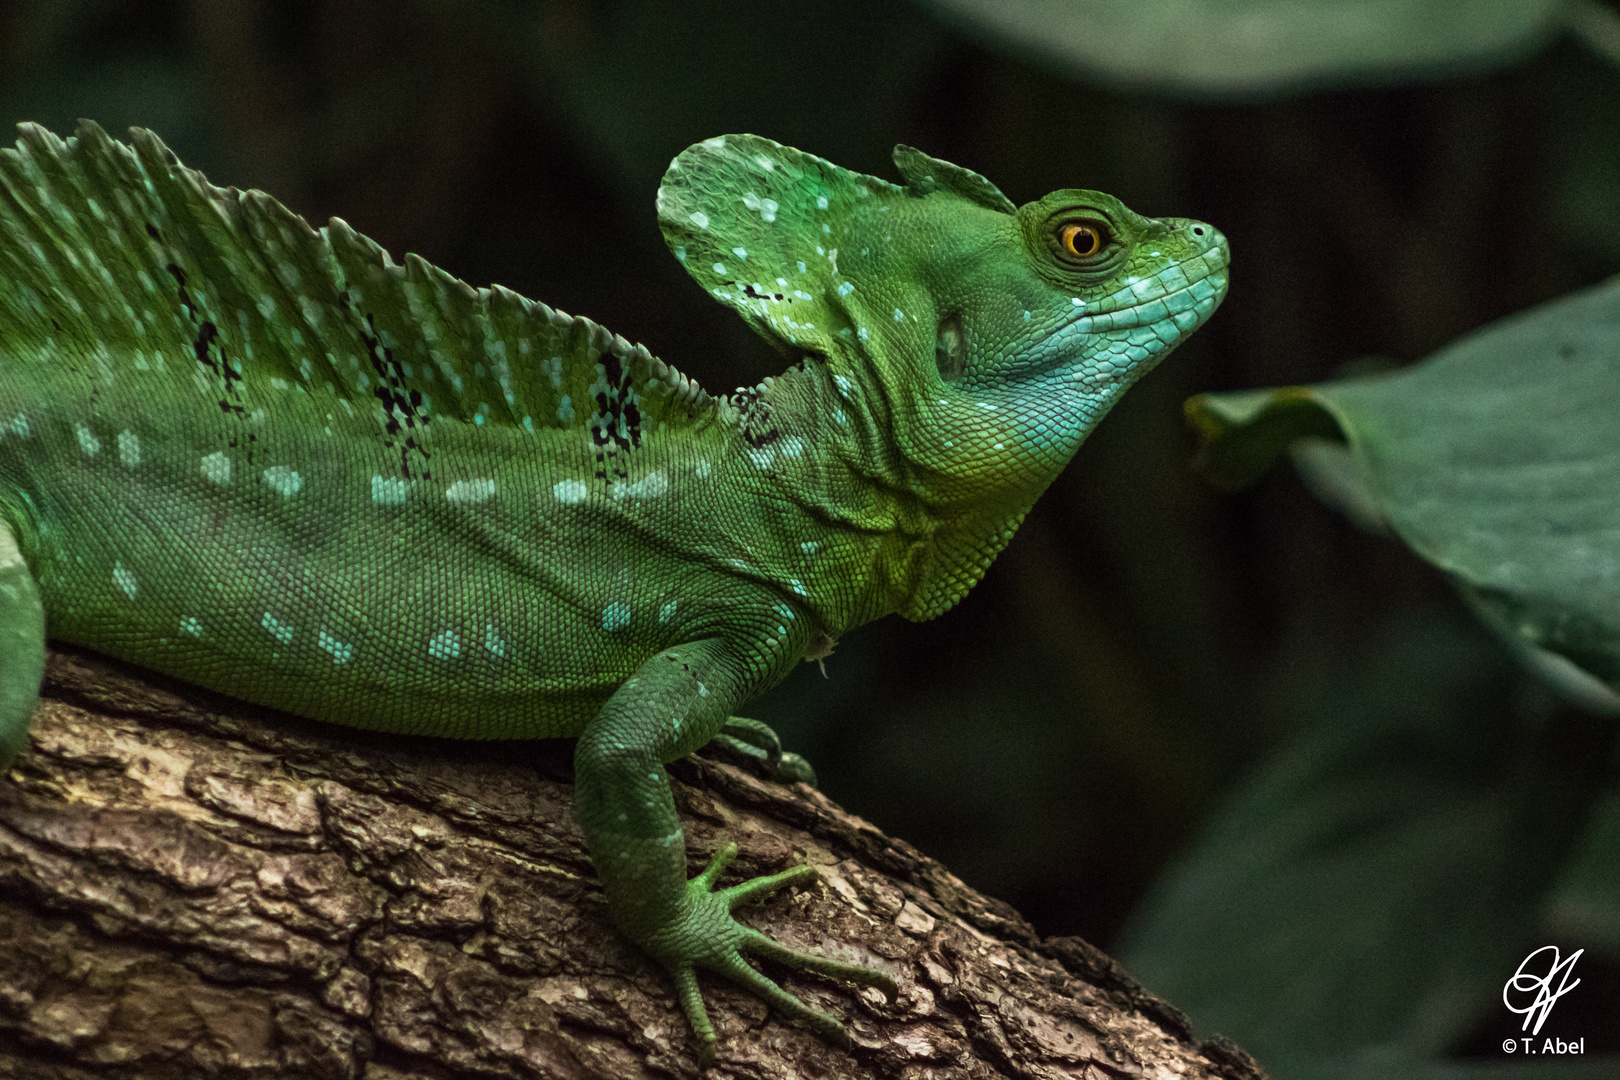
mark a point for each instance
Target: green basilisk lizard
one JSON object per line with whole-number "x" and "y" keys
{"x": 269, "y": 460}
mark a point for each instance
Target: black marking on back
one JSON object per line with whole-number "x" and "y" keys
{"x": 207, "y": 339}
{"x": 616, "y": 427}
{"x": 755, "y": 412}
{"x": 401, "y": 405}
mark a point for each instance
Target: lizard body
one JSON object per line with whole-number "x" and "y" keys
{"x": 266, "y": 459}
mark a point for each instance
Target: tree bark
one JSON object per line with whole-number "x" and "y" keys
{"x": 193, "y": 887}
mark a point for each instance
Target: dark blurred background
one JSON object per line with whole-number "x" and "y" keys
{"x": 1148, "y": 645}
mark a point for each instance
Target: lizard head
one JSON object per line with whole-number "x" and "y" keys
{"x": 989, "y": 339}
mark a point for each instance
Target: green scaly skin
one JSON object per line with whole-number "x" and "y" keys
{"x": 268, "y": 460}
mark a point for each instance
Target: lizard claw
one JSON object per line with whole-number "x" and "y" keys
{"x": 756, "y": 747}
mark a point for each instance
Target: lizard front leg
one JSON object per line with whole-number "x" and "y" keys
{"x": 674, "y": 704}
{"x": 22, "y": 648}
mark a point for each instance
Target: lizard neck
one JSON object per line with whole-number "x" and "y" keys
{"x": 890, "y": 526}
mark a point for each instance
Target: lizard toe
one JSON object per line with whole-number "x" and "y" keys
{"x": 745, "y": 975}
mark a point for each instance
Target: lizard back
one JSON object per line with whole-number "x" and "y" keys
{"x": 226, "y": 436}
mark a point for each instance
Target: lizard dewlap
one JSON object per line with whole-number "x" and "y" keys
{"x": 269, "y": 460}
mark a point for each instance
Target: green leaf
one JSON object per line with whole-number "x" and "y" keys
{"x": 1497, "y": 460}
{"x": 1368, "y": 891}
{"x": 1248, "y": 48}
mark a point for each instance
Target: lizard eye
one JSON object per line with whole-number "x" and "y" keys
{"x": 1080, "y": 241}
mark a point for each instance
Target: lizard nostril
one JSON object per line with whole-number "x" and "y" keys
{"x": 1198, "y": 230}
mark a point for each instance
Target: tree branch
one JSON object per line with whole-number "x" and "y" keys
{"x": 192, "y": 887}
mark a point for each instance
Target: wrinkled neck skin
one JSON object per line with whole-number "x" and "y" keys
{"x": 926, "y": 475}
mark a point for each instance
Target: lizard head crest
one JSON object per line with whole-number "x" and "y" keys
{"x": 924, "y": 174}
{"x": 764, "y": 227}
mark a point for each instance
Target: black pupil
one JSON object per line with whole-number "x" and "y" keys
{"x": 1084, "y": 241}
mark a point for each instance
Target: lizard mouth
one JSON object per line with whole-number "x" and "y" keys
{"x": 1177, "y": 299}
{"x": 1113, "y": 342}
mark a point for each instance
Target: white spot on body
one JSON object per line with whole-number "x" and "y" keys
{"x": 565, "y": 410}
{"x": 570, "y": 491}
{"x": 616, "y": 616}
{"x": 216, "y": 468}
{"x": 821, "y": 202}
{"x": 129, "y": 449}
{"x": 87, "y": 441}
{"x": 741, "y": 253}
{"x": 191, "y": 625}
{"x": 809, "y": 546}
{"x": 767, "y": 207}
{"x": 651, "y": 486}
{"x": 389, "y": 490}
{"x": 470, "y": 491}
{"x": 698, "y": 218}
{"x": 719, "y": 268}
{"x": 494, "y": 644}
{"x": 124, "y": 580}
{"x": 282, "y": 632}
{"x": 340, "y": 651}
{"x": 445, "y": 645}
{"x": 283, "y": 480}
{"x": 667, "y": 612}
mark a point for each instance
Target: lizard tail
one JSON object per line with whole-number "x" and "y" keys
{"x": 22, "y": 648}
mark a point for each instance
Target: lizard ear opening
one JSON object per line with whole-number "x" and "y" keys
{"x": 760, "y": 225}
{"x": 924, "y": 174}
{"x": 950, "y": 348}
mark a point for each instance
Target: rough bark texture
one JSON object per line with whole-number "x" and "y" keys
{"x": 190, "y": 887}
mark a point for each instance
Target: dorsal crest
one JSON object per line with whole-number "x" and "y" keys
{"x": 122, "y": 254}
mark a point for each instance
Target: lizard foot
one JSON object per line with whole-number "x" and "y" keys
{"x": 705, "y": 935}
{"x": 756, "y": 747}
